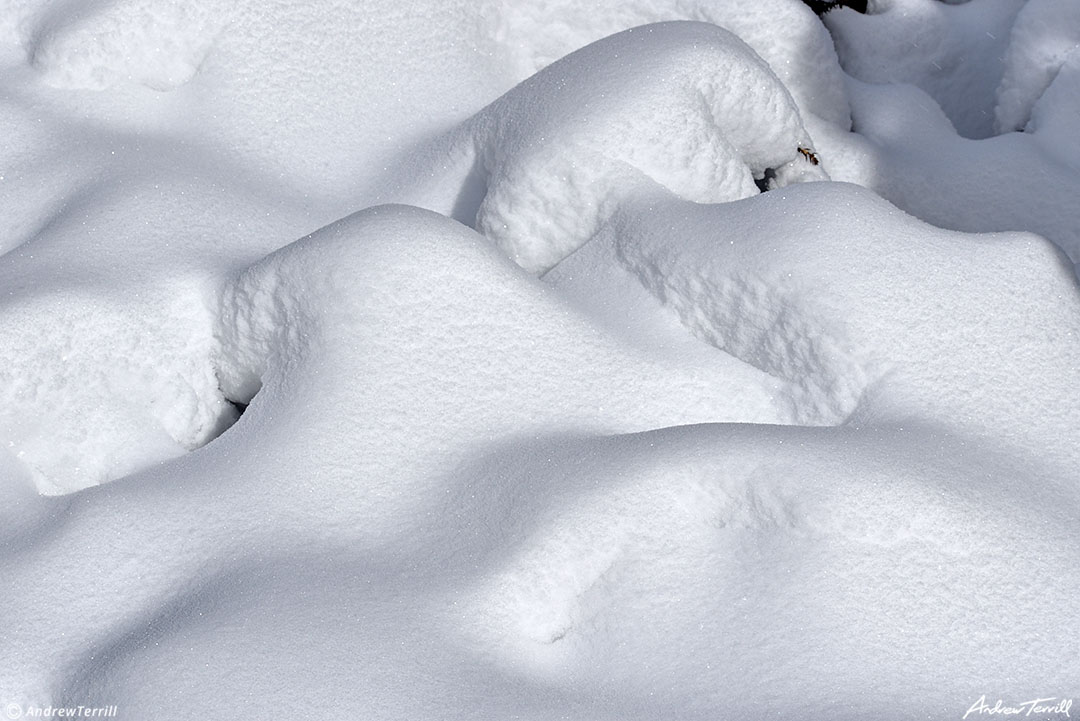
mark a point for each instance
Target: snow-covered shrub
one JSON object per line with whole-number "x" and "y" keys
{"x": 684, "y": 105}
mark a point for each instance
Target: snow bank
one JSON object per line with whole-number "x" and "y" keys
{"x": 332, "y": 300}
{"x": 684, "y": 105}
{"x": 689, "y": 572}
{"x": 95, "y": 388}
{"x": 107, "y": 317}
{"x": 139, "y": 199}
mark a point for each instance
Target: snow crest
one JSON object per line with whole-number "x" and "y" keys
{"x": 782, "y": 32}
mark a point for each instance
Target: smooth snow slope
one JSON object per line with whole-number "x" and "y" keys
{"x": 582, "y": 425}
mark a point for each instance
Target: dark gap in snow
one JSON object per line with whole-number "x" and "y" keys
{"x": 763, "y": 182}
{"x": 823, "y": 6}
{"x": 230, "y": 413}
{"x": 239, "y": 406}
{"x": 236, "y": 404}
{"x": 472, "y": 194}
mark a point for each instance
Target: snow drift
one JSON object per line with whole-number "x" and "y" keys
{"x": 544, "y": 541}
{"x": 582, "y": 425}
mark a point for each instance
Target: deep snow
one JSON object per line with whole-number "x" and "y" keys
{"x": 549, "y": 411}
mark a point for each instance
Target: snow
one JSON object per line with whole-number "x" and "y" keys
{"x": 784, "y": 34}
{"x": 1046, "y": 34}
{"x": 684, "y": 105}
{"x": 953, "y": 52}
{"x": 90, "y": 46}
{"x": 800, "y": 283}
{"x": 547, "y": 410}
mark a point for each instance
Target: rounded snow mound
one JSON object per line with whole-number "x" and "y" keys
{"x": 90, "y": 393}
{"x": 785, "y": 33}
{"x": 368, "y": 305}
{"x": 97, "y": 44}
{"x": 870, "y": 313}
{"x": 684, "y": 105}
{"x": 381, "y": 355}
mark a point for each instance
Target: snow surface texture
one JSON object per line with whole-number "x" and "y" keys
{"x": 805, "y": 454}
{"x": 684, "y": 105}
{"x": 100, "y": 43}
{"x": 786, "y": 35}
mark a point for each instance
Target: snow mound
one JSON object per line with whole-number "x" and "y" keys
{"x": 91, "y": 391}
{"x": 684, "y": 105}
{"x": 326, "y": 302}
{"x": 105, "y": 42}
{"x": 1045, "y": 35}
{"x": 826, "y": 286}
{"x": 793, "y": 454}
{"x": 907, "y": 151}
{"x": 391, "y": 330}
{"x": 783, "y": 32}
{"x": 535, "y": 554}
{"x": 107, "y": 315}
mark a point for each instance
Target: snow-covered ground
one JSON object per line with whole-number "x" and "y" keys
{"x": 540, "y": 359}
